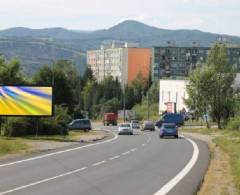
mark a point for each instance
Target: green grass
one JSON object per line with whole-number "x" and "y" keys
{"x": 197, "y": 123}
{"x": 73, "y": 136}
{"x": 229, "y": 142}
{"x": 19, "y": 145}
{"x": 12, "y": 146}
{"x": 232, "y": 147}
{"x": 203, "y": 130}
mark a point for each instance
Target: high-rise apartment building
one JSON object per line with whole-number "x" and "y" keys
{"x": 174, "y": 61}
{"x": 121, "y": 60}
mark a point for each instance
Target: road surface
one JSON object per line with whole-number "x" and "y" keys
{"x": 141, "y": 164}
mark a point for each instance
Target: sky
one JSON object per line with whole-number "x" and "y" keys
{"x": 217, "y": 16}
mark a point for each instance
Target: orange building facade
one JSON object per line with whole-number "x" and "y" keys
{"x": 139, "y": 61}
{"x": 123, "y": 63}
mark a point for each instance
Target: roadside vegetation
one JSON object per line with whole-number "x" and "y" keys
{"x": 75, "y": 96}
{"x": 149, "y": 102}
{"x": 12, "y": 146}
{"x": 213, "y": 95}
{"x": 20, "y": 145}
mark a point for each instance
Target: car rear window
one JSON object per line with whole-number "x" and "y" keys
{"x": 125, "y": 125}
{"x": 134, "y": 121}
{"x": 169, "y": 126}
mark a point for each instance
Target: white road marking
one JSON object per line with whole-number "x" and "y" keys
{"x": 134, "y": 149}
{"x": 115, "y": 157}
{"x": 59, "y": 152}
{"x": 43, "y": 181}
{"x": 99, "y": 163}
{"x": 125, "y": 153}
{"x": 61, "y": 175}
{"x": 174, "y": 181}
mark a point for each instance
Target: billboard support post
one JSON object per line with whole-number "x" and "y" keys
{"x": 37, "y": 127}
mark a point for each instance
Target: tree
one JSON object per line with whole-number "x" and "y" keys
{"x": 88, "y": 94}
{"x": 210, "y": 88}
{"x": 11, "y": 72}
{"x": 88, "y": 76}
{"x": 63, "y": 90}
{"x": 199, "y": 88}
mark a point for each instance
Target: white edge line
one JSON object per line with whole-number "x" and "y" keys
{"x": 125, "y": 153}
{"x": 98, "y": 163}
{"x": 43, "y": 181}
{"x": 134, "y": 149}
{"x": 115, "y": 157}
{"x": 174, "y": 181}
{"x": 59, "y": 152}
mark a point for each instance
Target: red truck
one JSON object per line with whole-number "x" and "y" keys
{"x": 110, "y": 118}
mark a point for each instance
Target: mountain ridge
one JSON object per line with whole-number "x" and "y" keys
{"x": 60, "y": 43}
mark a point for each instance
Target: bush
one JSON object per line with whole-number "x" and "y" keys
{"x": 55, "y": 125}
{"x": 50, "y": 126}
{"x": 142, "y": 111}
{"x": 18, "y": 127}
{"x": 234, "y": 123}
{"x": 22, "y": 126}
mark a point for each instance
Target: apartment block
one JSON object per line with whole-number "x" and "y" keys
{"x": 121, "y": 60}
{"x": 171, "y": 61}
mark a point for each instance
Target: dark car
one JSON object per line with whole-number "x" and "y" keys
{"x": 177, "y": 119}
{"x": 168, "y": 129}
{"x": 148, "y": 125}
{"x": 80, "y": 124}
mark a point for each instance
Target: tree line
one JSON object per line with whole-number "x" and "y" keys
{"x": 75, "y": 96}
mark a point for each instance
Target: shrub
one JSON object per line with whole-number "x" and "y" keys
{"x": 18, "y": 127}
{"x": 21, "y": 126}
{"x": 234, "y": 123}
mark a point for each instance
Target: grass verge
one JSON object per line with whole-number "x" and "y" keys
{"x": 231, "y": 145}
{"x": 18, "y": 145}
{"x": 12, "y": 146}
{"x": 204, "y": 131}
{"x": 72, "y": 136}
{"x": 229, "y": 142}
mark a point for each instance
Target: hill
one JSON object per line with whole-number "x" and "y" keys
{"x": 39, "y": 46}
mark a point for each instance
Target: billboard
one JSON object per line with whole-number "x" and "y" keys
{"x": 26, "y": 101}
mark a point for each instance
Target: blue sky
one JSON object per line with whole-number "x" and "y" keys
{"x": 219, "y": 16}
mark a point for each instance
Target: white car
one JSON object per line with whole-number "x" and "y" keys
{"x": 135, "y": 125}
{"x": 125, "y": 129}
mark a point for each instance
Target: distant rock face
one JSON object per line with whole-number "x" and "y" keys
{"x": 36, "y": 47}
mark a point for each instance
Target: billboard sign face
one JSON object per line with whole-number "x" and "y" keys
{"x": 169, "y": 107}
{"x": 26, "y": 101}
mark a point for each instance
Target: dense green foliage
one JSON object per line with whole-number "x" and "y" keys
{"x": 210, "y": 87}
{"x": 153, "y": 105}
{"x": 234, "y": 123}
{"x": 75, "y": 96}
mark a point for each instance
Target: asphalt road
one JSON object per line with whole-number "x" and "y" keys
{"x": 141, "y": 164}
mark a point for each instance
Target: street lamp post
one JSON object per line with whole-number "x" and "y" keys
{"x": 124, "y": 103}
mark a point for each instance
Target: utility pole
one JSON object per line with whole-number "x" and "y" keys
{"x": 148, "y": 83}
{"x": 148, "y": 106}
{"x": 124, "y": 103}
